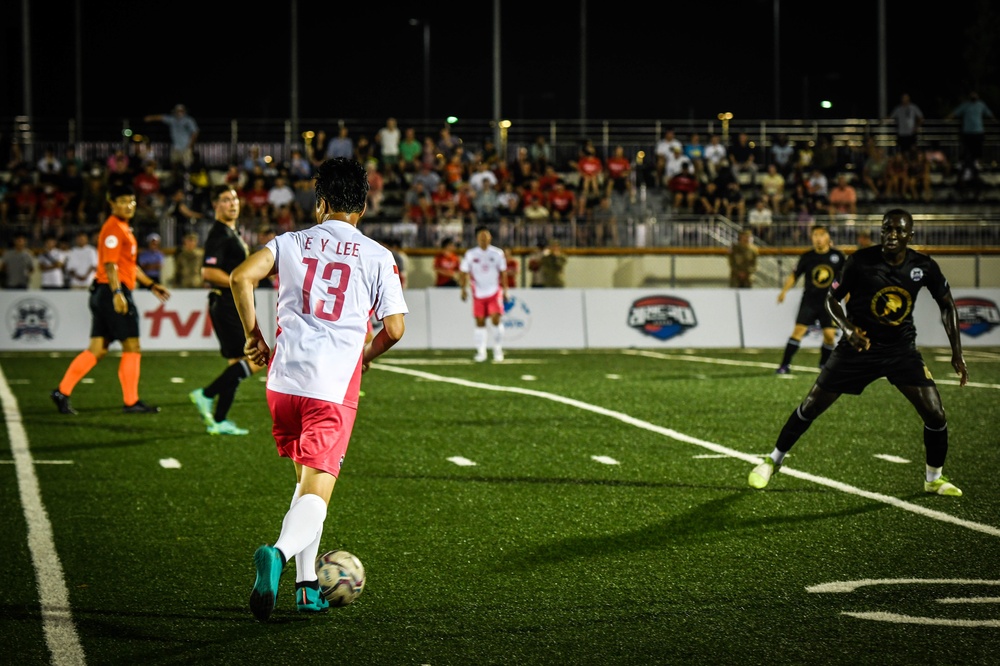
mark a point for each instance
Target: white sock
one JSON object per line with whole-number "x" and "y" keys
{"x": 305, "y": 561}
{"x": 296, "y": 494}
{"x": 932, "y": 473}
{"x": 480, "y": 338}
{"x": 778, "y": 456}
{"x": 498, "y": 336}
{"x": 301, "y": 525}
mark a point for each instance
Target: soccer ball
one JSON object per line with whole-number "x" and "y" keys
{"x": 341, "y": 577}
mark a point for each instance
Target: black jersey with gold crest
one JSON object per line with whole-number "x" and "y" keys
{"x": 224, "y": 249}
{"x": 882, "y": 296}
{"x": 818, "y": 271}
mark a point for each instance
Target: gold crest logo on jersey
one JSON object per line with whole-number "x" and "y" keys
{"x": 822, "y": 276}
{"x": 891, "y": 305}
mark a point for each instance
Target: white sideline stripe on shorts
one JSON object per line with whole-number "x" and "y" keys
{"x": 57, "y": 620}
{"x": 711, "y": 446}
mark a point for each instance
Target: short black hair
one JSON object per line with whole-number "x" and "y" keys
{"x": 481, "y": 227}
{"x": 219, "y": 190}
{"x": 342, "y": 183}
{"x": 120, "y": 189}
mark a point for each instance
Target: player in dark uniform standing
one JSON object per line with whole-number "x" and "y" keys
{"x": 880, "y": 284}
{"x": 224, "y": 251}
{"x": 820, "y": 266}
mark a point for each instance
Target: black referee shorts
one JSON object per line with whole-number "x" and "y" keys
{"x": 104, "y": 321}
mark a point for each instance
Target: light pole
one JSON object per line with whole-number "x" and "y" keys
{"x": 427, "y": 64}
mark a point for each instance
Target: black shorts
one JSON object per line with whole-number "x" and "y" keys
{"x": 105, "y": 322}
{"x": 812, "y": 312}
{"x": 227, "y": 324}
{"x": 849, "y": 371}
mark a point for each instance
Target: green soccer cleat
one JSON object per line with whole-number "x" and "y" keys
{"x": 267, "y": 560}
{"x": 309, "y": 600}
{"x": 942, "y": 487}
{"x": 226, "y": 427}
{"x": 762, "y": 473}
{"x": 204, "y": 405}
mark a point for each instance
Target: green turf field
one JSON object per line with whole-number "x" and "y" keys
{"x": 558, "y": 508}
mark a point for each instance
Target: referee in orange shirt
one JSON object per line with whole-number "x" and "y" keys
{"x": 113, "y": 312}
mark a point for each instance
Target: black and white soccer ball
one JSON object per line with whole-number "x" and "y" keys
{"x": 341, "y": 577}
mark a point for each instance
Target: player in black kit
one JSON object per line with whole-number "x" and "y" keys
{"x": 880, "y": 284}
{"x": 224, "y": 251}
{"x": 820, "y": 266}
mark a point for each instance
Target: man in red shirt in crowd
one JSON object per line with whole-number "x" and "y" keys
{"x": 446, "y": 264}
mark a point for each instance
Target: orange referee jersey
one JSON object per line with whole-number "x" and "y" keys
{"x": 117, "y": 245}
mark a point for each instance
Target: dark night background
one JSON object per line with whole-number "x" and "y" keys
{"x": 365, "y": 60}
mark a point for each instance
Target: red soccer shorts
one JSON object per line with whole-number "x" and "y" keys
{"x": 312, "y": 432}
{"x": 484, "y": 307}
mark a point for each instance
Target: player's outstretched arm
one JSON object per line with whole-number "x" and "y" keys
{"x": 949, "y": 318}
{"x": 855, "y": 336}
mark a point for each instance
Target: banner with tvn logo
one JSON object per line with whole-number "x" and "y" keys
{"x": 654, "y": 318}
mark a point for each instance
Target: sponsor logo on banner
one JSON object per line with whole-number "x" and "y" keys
{"x": 662, "y": 317}
{"x": 31, "y": 320}
{"x": 168, "y": 323}
{"x": 516, "y": 318}
{"x": 977, "y": 316}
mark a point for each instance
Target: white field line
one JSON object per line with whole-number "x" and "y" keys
{"x": 687, "y": 439}
{"x": 57, "y": 620}
{"x": 758, "y": 364}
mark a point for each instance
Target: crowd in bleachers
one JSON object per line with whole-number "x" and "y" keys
{"x": 436, "y": 185}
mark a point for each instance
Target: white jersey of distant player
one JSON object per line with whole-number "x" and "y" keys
{"x": 485, "y": 269}
{"x": 331, "y": 277}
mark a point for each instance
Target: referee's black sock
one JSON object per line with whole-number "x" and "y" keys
{"x": 790, "y": 349}
{"x": 225, "y": 387}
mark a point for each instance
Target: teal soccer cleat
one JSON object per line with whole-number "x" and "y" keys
{"x": 226, "y": 427}
{"x": 308, "y": 599}
{"x": 204, "y": 405}
{"x": 267, "y": 560}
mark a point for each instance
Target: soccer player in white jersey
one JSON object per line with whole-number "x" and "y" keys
{"x": 484, "y": 267}
{"x": 332, "y": 277}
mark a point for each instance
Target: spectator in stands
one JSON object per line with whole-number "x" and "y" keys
{"x": 486, "y": 202}
{"x": 684, "y": 188}
{"x": 49, "y": 167}
{"x": 183, "y": 135}
{"x": 51, "y": 264}
{"x": 938, "y": 159}
{"x": 510, "y": 201}
{"x": 818, "y": 187}
{"x": 772, "y": 187}
{"x": 317, "y": 147}
{"x": 665, "y": 153}
{"x": 918, "y": 175}
{"x": 693, "y": 149}
{"x": 341, "y": 145}
{"x": 743, "y": 156}
{"x": 674, "y": 162}
{"x": 743, "y": 261}
{"x": 896, "y": 174}
{"x": 875, "y": 171}
{"x": 733, "y": 201}
{"x": 93, "y": 202}
{"x": 446, "y": 263}
{"x": 972, "y": 113}
{"x": 447, "y": 142}
{"x": 553, "y": 265}
{"x": 540, "y": 154}
{"x": 715, "y": 155}
{"x": 604, "y": 224}
{"x": 760, "y": 219}
{"x": 253, "y": 159}
{"x": 72, "y": 185}
{"x": 364, "y": 150}
{"x": 256, "y": 200}
{"x": 376, "y": 188}
{"x": 864, "y": 237}
{"x": 513, "y": 269}
{"x": 444, "y": 202}
{"x": 590, "y": 168}
{"x": 562, "y": 202}
{"x": 17, "y": 263}
{"x": 709, "y": 200}
{"x": 282, "y": 211}
{"x": 150, "y": 258}
{"x": 783, "y": 155}
{"x": 187, "y": 263}
{"x": 81, "y": 262}
{"x": 482, "y": 174}
{"x": 825, "y": 158}
{"x": 148, "y": 196}
{"x": 843, "y": 197}
{"x": 909, "y": 118}
{"x": 51, "y": 212}
{"x": 618, "y": 181}
{"x": 387, "y": 141}
{"x": 299, "y": 167}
